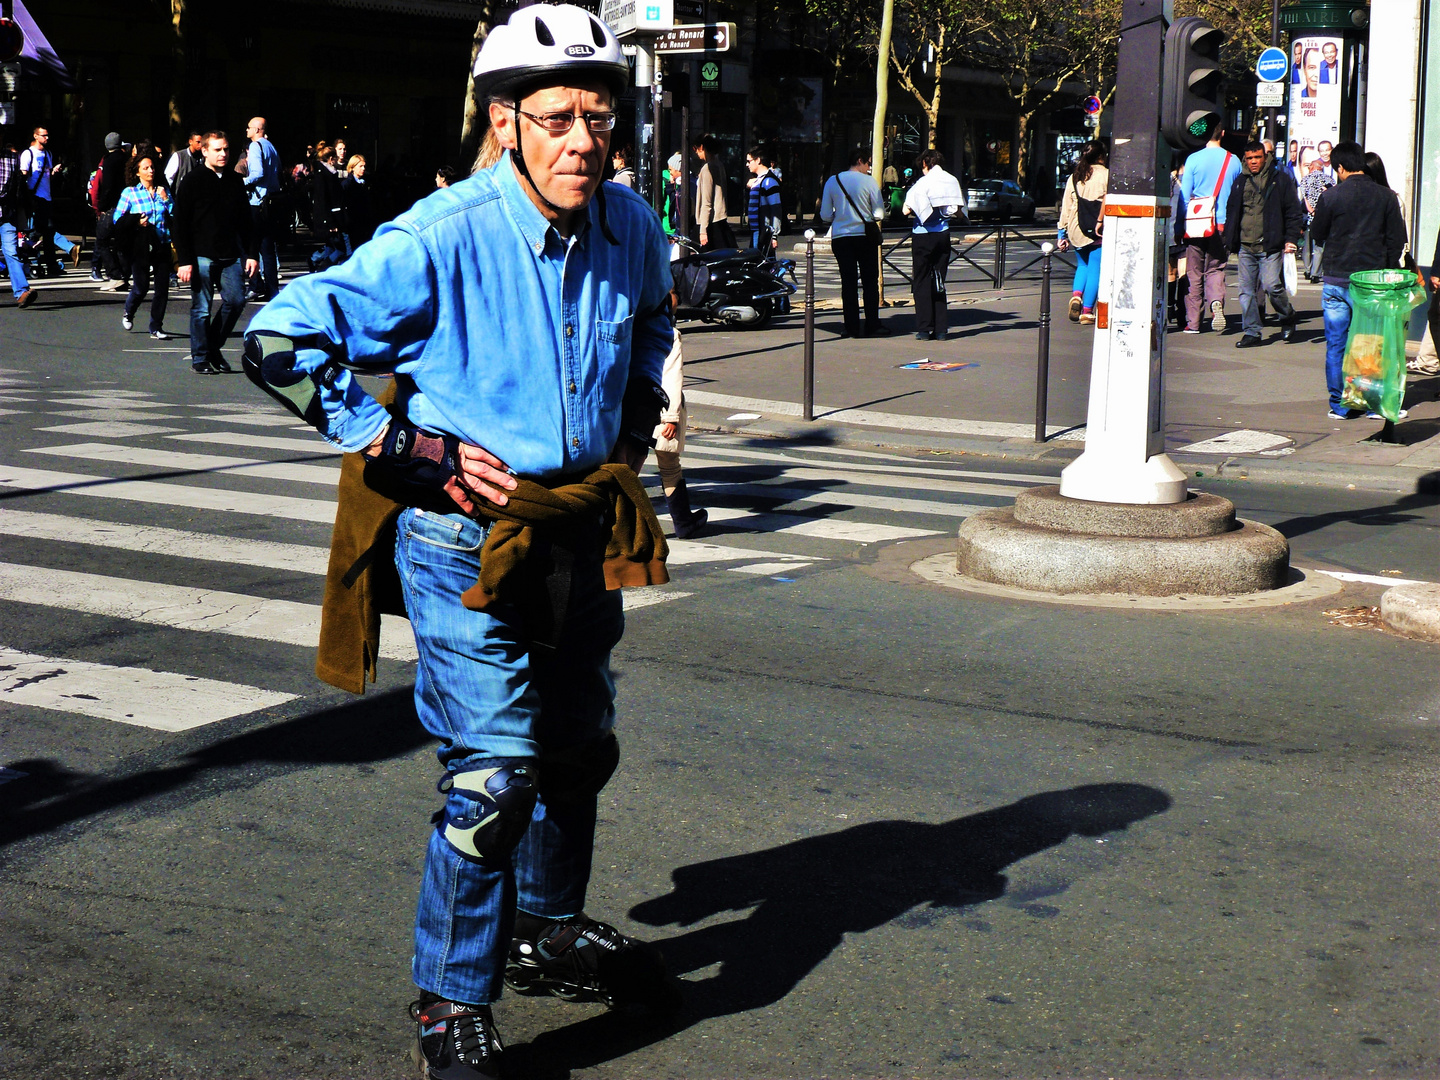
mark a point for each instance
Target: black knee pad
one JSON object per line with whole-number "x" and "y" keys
{"x": 496, "y": 805}
{"x": 578, "y": 773}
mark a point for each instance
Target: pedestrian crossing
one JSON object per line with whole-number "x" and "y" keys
{"x": 206, "y": 522}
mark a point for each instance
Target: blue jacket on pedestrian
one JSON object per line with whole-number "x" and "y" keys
{"x": 499, "y": 330}
{"x": 1202, "y": 170}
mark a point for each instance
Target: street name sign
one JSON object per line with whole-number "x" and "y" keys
{"x": 705, "y": 37}
{"x": 628, "y": 17}
{"x": 1273, "y": 65}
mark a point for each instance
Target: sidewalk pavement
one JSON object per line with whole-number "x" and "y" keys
{"x": 1261, "y": 413}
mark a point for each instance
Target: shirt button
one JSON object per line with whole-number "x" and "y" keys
{"x": 572, "y": 387}
{"x": 575, "y": 442}
{"x": 570, "y": 331}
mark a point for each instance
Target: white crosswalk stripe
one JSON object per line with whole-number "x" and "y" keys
{"x": 236, "y": 488}
{"x": 206, "y": 610}
{"x": 154, "y": 699}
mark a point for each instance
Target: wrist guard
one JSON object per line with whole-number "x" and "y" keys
{"x": 640, "y": 411}
{"x": 413, "y": 464}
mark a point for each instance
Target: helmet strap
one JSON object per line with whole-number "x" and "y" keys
{"x": 518, "y": 156}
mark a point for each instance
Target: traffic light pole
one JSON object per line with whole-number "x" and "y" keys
{"x": 1124, "y": 459}
{"x": 645, "y": 128}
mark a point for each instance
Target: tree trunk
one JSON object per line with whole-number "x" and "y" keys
{"x": 882, "y": 88}
{"x": 179, "y": 23}
{"x": 932, "y": 111}
{"x": 475, "y": 118}
{"x": 1022, "y": 130}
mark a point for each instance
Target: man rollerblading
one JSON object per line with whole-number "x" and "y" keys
{"x": 523, "y": 313}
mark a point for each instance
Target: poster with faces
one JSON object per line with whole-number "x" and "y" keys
{"x": 1316, "y": 69}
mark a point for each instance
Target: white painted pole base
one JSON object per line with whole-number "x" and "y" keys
{"x": 1124, "y": 479}
{"x": 1124, "y": 459}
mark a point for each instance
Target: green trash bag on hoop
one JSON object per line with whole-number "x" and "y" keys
{"x": 1373, "y": 377}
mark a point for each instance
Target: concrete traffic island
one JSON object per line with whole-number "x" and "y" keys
{"x": 1413, "y": 610}
{"x": 1048, "y": 543}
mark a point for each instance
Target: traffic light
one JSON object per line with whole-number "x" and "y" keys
{"x": 1192, "y": 93}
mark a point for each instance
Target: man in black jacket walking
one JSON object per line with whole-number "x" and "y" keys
{"x": 1265, "y": 225}
{"x": 1359, "y": 224}
{"x": 110, "y": 262}
{"x": 213, "y": 231}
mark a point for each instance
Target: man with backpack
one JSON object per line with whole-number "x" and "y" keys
{"x": 13, "y": 190}
{"x": 37, "y": 166}
{"x": 1204, "y": 187}
{"x": 105, "y": 188}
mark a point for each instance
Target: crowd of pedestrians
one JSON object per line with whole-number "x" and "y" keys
{"x": 201, "y": 216}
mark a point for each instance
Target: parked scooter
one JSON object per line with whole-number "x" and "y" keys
{"x": 741, "y": 288}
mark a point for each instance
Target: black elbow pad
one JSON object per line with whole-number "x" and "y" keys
{"x": 269, "y": 361}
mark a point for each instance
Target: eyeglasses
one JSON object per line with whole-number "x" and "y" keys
{"x": 559, "y": 123}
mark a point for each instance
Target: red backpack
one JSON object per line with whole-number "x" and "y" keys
{"x": 92, "y": 189}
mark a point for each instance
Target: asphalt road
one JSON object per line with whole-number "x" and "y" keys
{"x": 879, "y": 827}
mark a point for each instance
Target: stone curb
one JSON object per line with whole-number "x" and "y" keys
{"x": 1394, "y": 479}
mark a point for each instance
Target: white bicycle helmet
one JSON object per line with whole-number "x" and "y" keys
{"x": 545, "y": 40}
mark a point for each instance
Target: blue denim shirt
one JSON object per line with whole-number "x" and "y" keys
{"x": 262, "y": 161}
{"x": 499, "y": 330}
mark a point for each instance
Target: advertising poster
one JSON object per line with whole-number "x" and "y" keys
{"x": 1316, "y": 85}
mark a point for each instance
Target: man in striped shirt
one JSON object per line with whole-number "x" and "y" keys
{"x": 763, "y": 209}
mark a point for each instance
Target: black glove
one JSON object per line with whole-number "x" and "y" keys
{"x": 413, "y": 465}
{"x": 640, "y": 411}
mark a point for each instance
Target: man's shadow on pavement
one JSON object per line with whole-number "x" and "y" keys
{"x": 807, "y": 895}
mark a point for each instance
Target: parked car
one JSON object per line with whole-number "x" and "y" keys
{"x": 1000, "y": 199}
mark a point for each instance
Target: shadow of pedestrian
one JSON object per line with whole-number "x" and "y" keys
{"x": 49, "y": 797}
{"x": 807, "y": 895}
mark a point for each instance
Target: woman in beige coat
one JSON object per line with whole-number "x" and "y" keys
{"x": 669, "y": 442}
{"x": 1082, "y": 217}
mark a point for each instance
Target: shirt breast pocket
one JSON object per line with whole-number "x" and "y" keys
{"x": 612, "y": 354}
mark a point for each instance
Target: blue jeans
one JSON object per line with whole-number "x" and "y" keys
{"x": 1087, "y": 275}
{"x": 493, "y": 699}
{"x": 1335, "y": 303}
{"x": 13, "y": 264}
{"x": 209, "y": 334}
{"x": 1262, "y": 274}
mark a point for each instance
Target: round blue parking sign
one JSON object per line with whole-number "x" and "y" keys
{"x": 1273, "y": 65}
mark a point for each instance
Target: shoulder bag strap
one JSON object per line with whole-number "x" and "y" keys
{"x": 1224, "y": 168}
{"x": 849, "y": 199}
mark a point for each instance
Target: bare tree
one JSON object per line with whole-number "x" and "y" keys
{"x": 932, "y": 35}
{"x": 1040, "y": 49}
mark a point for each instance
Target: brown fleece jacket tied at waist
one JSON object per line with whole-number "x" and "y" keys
{"x": 636, "y": 551}
{"x": 361, "y": 583}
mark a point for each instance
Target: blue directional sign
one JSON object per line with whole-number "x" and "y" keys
{"x": 1273, "y": 65}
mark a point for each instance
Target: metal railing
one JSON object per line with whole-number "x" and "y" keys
{"x": 997, "y": 269}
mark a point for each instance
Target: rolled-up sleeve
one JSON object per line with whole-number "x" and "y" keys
{"x": 654, "y": 328}
{"x": 373, "y": 313}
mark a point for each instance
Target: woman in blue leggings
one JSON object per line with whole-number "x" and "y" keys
{"x": 1081, "y": 222}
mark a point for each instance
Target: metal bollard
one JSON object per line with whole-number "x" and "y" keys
{"x": 1042, "y": 355}
{"x": 809, "y": 388}
{"x": 1000, "y": 256}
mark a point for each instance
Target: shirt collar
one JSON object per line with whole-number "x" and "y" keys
{"x": 533, "y": 225}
